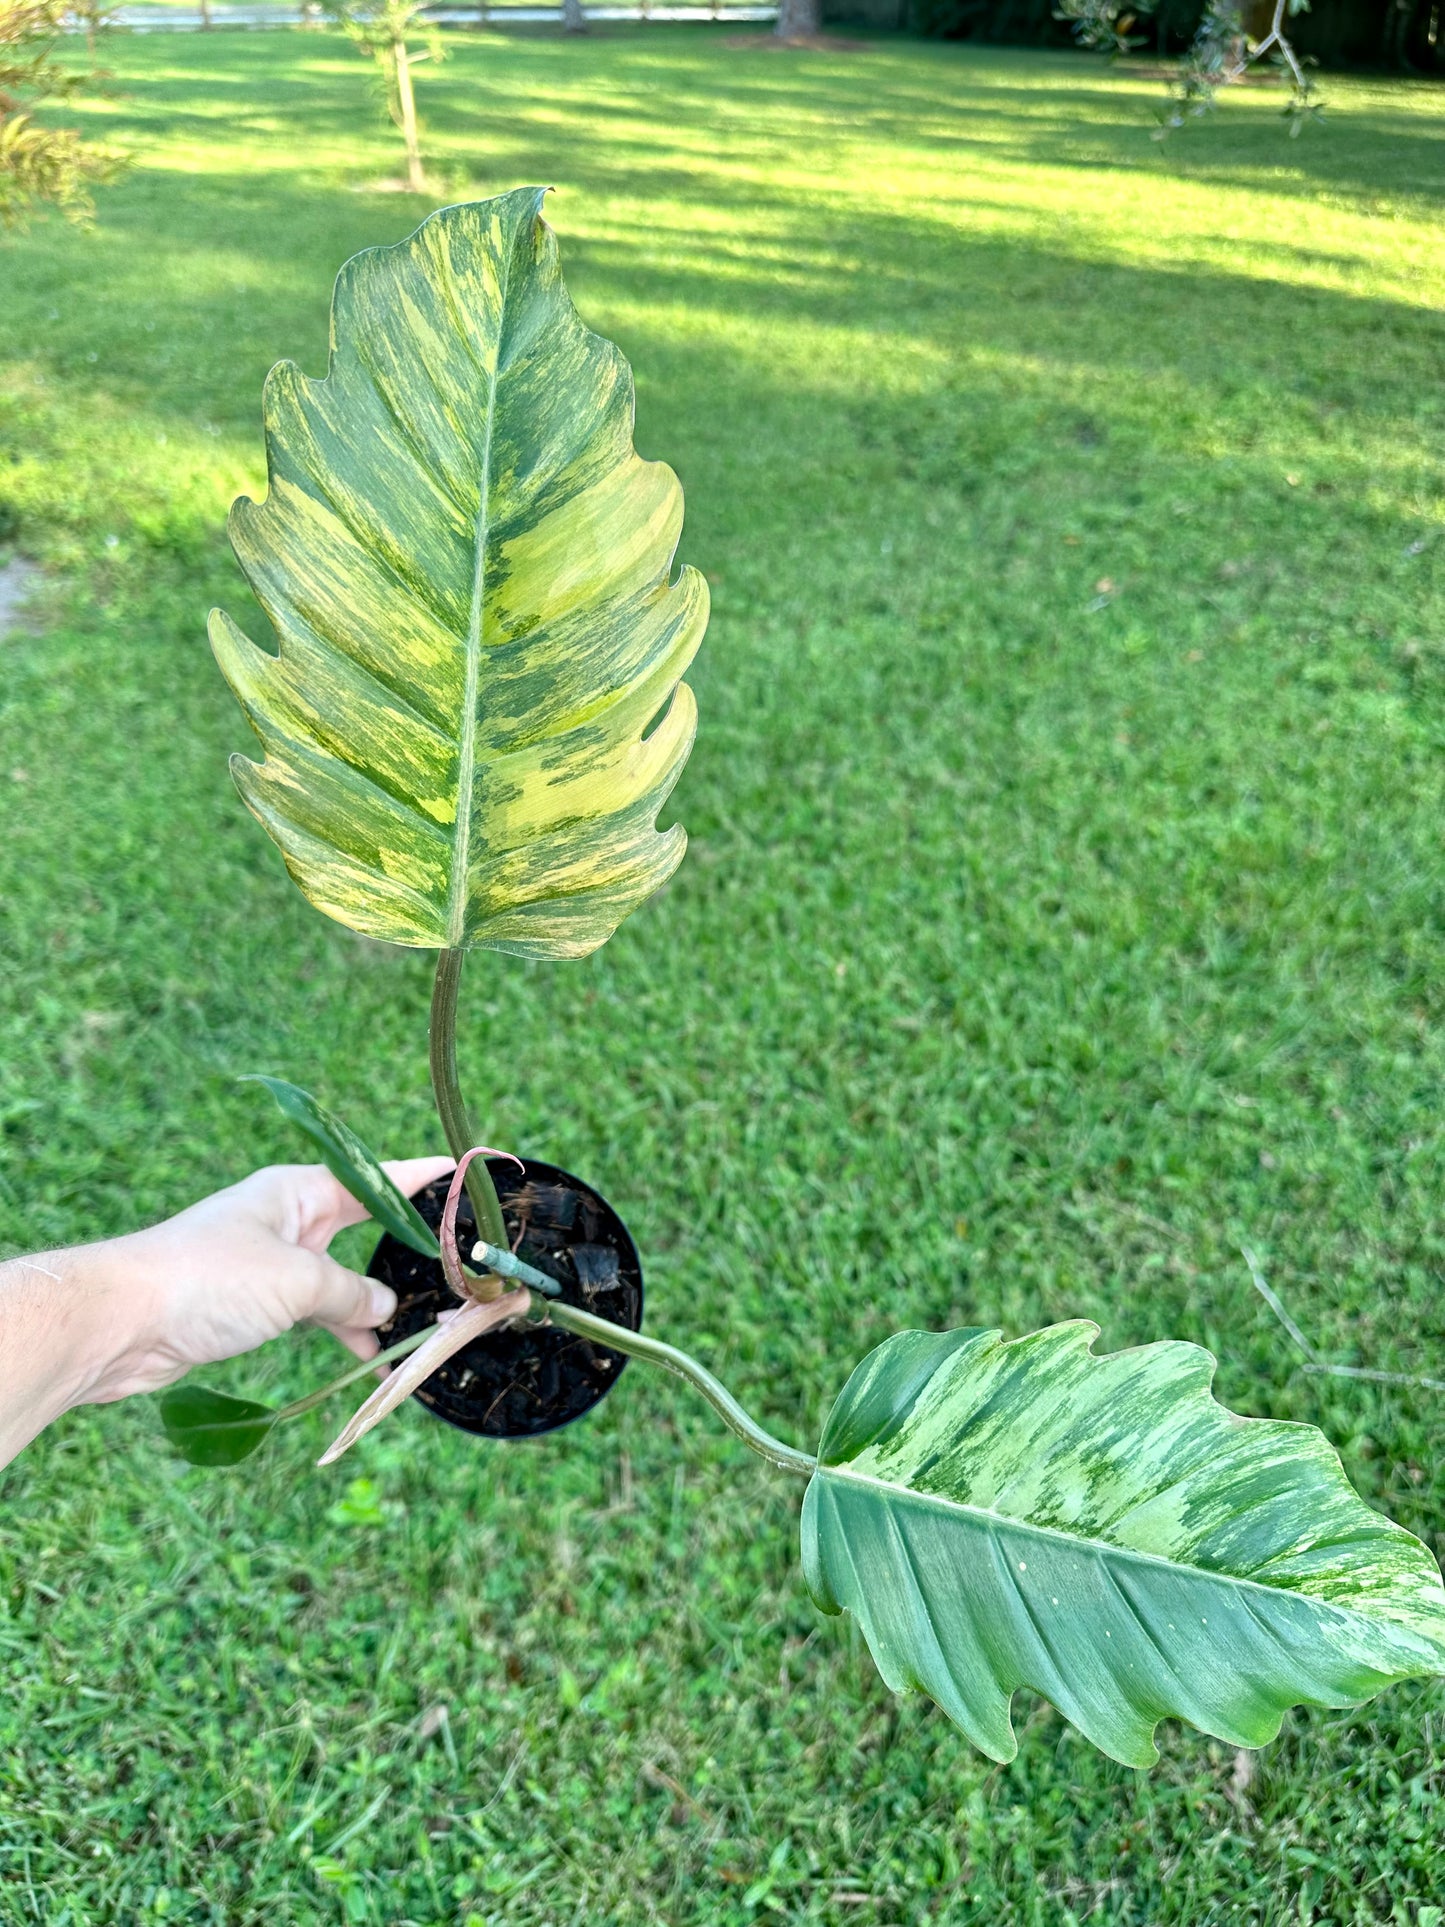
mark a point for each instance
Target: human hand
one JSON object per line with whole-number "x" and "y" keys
{"x": 243, "y": 1266}
{"x": 132, "y": 1314}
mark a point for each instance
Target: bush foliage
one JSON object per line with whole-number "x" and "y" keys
{"x": 1336, "y": 33}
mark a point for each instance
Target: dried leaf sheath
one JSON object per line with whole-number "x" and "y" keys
{"x": 467, "y": 568}
{"x": 458, "y": 1328}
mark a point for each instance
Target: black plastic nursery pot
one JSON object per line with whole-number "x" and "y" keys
{"x": 515, "y": 1384}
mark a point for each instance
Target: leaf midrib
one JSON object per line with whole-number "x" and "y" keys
{"x": 457, "y": 892}
{"x": 467, "y": 741}
{"x": 1077, "y": 1541}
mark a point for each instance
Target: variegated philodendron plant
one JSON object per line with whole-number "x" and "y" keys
{"x": 473, "y": 717}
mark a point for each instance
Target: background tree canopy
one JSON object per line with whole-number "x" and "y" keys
{"x": 1337, "y": 33}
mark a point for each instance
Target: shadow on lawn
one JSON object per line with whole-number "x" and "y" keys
{"x": 1052, "y": 110}
{"x": 681, "y": 105}
{"x": 192, "y": 323}
{"x": 731, "y": 150}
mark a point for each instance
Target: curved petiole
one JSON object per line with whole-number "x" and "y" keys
{"x": 785, "y": 1458}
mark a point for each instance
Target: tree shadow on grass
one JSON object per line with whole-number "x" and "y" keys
{"x": 208, "y": 281}
{"x": 1037, "y": 108}
{"x": 999, "y": 350}
{"x": 553, "y": 108}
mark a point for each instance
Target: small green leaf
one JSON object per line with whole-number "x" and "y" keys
{"x": 212, "y": 1428}
{"x": 358, "y": 1167}
{"x": 1101, "y": 1530}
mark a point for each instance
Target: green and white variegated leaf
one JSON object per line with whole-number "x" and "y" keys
{"x": 1101, "y": 1530}
{"x": 353, "y": 1161}
{"x": 477, "y": 710}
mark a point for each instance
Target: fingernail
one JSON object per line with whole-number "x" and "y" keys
{"x": 383, "y": 1304}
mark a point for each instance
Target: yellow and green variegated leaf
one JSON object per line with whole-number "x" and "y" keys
{"x": 476, "y": 711}
{"x": 1101, "y": 1530}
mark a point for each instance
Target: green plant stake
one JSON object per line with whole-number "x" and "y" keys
{"x": 475, "y": 715}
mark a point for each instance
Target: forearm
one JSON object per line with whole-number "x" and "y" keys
{"x": 64, "y": 1329}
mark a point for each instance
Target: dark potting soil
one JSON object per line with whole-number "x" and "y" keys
{"x": 514, "y": 1384}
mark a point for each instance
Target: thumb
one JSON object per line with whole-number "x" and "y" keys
{"x": 343, "y": 1299}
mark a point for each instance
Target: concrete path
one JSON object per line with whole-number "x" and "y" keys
{"x": 17, "y": 578}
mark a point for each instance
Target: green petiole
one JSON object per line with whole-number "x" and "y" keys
{"x": 785, "y": 1458}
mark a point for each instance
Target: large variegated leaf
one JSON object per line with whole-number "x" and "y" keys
{"x": 476, "y": 712}
{"x": 1101, "y": 1530}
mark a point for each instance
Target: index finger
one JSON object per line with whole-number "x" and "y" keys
{"x": 410, "y": 1174}
{"x": 407, "y": 1174}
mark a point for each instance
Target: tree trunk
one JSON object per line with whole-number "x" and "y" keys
{"x": 406, "y": 101}
{"x": 206, "y": 15}
{"x": 797, "y": 18}
{"x": 573, "y": 18}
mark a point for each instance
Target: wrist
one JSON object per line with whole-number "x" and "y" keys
{"x": 111, "y": 1321}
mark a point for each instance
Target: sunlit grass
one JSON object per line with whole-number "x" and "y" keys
{"x": 1064, "y": 908}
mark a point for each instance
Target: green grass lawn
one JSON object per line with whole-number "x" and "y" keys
{"x": 1065, "y": 907}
